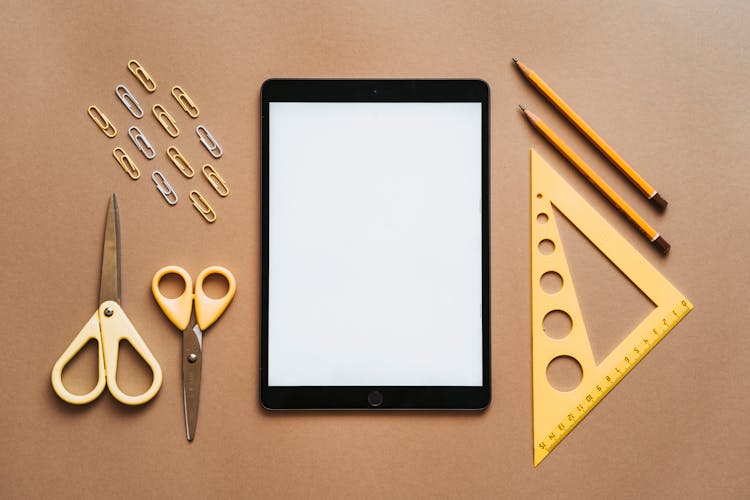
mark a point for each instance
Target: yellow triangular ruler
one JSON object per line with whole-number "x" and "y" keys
{"x": 556, "y": 413}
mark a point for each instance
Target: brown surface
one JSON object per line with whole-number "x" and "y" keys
{"x": 665, "y": 83}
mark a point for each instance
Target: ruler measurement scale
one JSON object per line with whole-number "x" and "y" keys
{"x": 600, "y": 390}
{"x": 557, "y": 412}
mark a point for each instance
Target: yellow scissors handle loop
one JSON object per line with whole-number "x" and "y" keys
{"x": 88, "y": 332}
{"x": 178, "y": 309}
{"x": 115, "y": 327}
{"x": 108, "y": 326}
{"x": 208, "y": 310}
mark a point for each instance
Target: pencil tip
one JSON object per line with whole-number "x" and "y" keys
{"x": 523, "y": 108}
{"x": 515, "y": 60}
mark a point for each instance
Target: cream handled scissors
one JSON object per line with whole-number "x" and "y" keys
{"x": 180, "y": 312}
{"x": 108, "y": 326}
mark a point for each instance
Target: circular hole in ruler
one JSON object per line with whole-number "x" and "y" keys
{"x": 564, "y": 373}
{"x": 539, "y": 195}
{"x": 546, "y": 247}
{"x": 557, "y": 324}
{"x": 542, "y": 218}
{"x": 551, "y": 282}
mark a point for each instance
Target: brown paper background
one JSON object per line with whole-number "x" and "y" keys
{"x": 666, "y": 83}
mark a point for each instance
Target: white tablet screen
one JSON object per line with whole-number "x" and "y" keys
{"x": 375, "y": 265}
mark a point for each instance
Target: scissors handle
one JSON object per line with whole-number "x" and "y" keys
{"x": 208, "y": 310}
{"x": 178, "y": 309}
{"x": 88, "y": 332}
{"x": 115, "y": 327}
{"x": 108, "y": 326}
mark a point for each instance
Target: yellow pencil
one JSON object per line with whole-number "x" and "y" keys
{"x": 644, "y": 187}
{"x": 655, "y": 238}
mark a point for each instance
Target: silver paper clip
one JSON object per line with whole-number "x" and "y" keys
{"x": 202, "y": 206}
{"x": 213, "y": 178}
{"x": 180, "y": 161}
{"x": 129, "y": 100}
{"x": 141, "y": 142}
{"x": 209, "y": 142}
{"x": 127, "y": 164}
{"x": 164, "y": 187}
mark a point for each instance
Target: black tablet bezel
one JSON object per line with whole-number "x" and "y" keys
{"x": 365, "y": 397}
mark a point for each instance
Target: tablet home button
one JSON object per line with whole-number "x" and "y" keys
{"x": 375, "y": 398}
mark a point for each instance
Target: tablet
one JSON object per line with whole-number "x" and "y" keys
{"x": 375, "y": 244}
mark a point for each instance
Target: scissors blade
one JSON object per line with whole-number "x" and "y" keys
{"x": 192, "y": 361}
{"x": 109, "y": 287}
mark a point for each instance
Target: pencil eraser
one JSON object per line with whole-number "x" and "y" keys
{"x": 662, "y": 245}
{"x": 658, "y": 201}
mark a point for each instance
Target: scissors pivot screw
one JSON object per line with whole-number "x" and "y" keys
{"x": 108, "y": 311}
{"x": 192, "y": 357}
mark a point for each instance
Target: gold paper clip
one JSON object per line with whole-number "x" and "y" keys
{"x": 164, "y": 187}
{"x": 127, "y": 164}
{"x": 180, "y": 162}
{"x": 209, "y": 142}
{"x": 185, "y": 102}
{"x": 202, "y": 206}
{"x": 166, "y": 120}
{"x": 142, "y": 75}
{"x": 215, "y": 180}
{"x": 141, "y": 142}
{"x": 102, "y": 121}
{"x": 129, "y": 100}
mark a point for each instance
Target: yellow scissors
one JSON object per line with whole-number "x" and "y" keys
{"x": 108, "y": 326}
{"x": 180, "y": 312}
